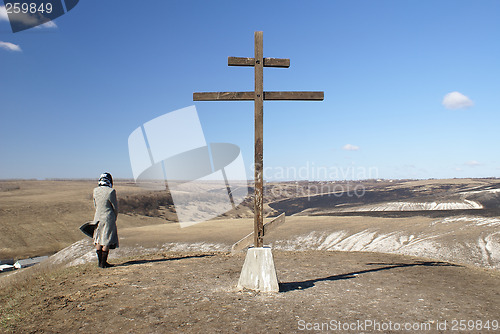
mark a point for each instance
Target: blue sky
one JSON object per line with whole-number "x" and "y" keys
{"x": 71, "y": 93}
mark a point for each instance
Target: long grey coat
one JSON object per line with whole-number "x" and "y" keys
{"x": 106, "y": 211}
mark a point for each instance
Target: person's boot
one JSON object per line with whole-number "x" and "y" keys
{"x": 105, "y": 263}
{"x": 99, "y": 257}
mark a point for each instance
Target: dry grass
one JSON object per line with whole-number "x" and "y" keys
{"x": 19, "y": 286}
{"x": 164, "y": 293}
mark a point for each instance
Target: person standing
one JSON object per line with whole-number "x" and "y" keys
{"x": 106, "y": 212}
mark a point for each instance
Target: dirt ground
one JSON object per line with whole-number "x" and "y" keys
{"x": 195, "y": 292}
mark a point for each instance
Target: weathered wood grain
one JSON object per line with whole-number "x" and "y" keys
{"x": 248, "y": 240}
{"x": 268, "y": 62}
{"x": 259, "y": 140}
{"x": 250, "y": 96}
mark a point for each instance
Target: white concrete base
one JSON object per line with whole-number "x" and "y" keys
{"x": 258, "y": 271}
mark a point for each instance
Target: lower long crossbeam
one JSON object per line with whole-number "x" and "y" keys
{"x": 250, "y": 96}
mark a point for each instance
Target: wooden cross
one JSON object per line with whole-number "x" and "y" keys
{"x": 258, "y": 96}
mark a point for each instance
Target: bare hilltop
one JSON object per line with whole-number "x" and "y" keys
{"x": 421, "y": 253}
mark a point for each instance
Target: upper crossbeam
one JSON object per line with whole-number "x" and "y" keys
{"x": 268, "y": 62}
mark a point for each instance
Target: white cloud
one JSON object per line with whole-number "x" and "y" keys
{"x": 49, "y": 24}
{"x": 3, "y": 14}
{"x": 349, "y": 147}
{"x": 472, "y": 163}
{"x": 456, "y": 100}
{"x": 10, "y": 47}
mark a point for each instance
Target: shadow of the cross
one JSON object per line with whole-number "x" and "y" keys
{"x": 133, "y": 262}
{"x": 290, "y": 286}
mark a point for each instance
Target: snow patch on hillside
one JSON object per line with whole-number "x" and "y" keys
{"x": 194, "y": 247}
{"x": 487, "y": 191}
{"x": 478, "y": 242}
{"x": 415, "y": 206}
{"x": 83, "y": 251}
{"x": 485, "y": 253}
{"x": 364, "y": 241}
{"x": 475, "y": 221}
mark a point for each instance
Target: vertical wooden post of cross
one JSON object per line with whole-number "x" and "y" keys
{"x": 259, "y": 140}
